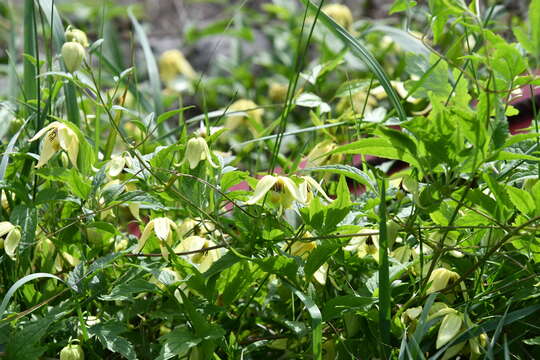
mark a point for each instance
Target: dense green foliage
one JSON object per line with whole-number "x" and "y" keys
{"x": 155, "y": 211}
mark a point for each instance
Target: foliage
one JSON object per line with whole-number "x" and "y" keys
{"x": 262, "y": 208}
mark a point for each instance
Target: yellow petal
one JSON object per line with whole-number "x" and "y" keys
{"x": 5, "y": 227}
{"x": 439, "y": 279}
{"x": 69, "y": 142}
{"x": 46, "y": 129}
{"x": 311, "y": 182}
{"x": 145, "y": 235}
{"x": 263, "y": 186}
{"x": 49, "y": 148}
{"x": 12, "y": 242}
{"x": 290, "y": 187}
{"x": 321, "y": 274}
{"x": 162, "y": 228}
{"x": 450, "y": 326}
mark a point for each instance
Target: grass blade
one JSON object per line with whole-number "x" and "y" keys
{"x": 29, "y": 77}
{"x": 151, "y": 65}
{"x": 384, "y": 276}
{"x": 363, "y": 54}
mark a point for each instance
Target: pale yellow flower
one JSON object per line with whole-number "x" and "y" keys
{"x": 277, "y": 92}
{"x": 450, "y": 326}
{"x": 440, "y": 278}
{"x": 116, "y": 165}
{"x": 340, "y": 13}
{"x": 196, "y": 151}
{"x": 76, "y": 35}
{"x": 163, "y": 228}
{"x": 57, "y": 136}
{"x": 364, "y": 245}
{"x": 173, "y": 63}
{"x": 303, "y": 249}
{"x": 251, "y": 109}
{"x": 12, "y": 240}
{"x": 281, "y": 190}
{"x": 306, "y": 189}
{"x": 73, "y": 54}
{"x": 202, "y": 260}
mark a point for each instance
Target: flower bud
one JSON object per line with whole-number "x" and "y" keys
{"x": 196, "y": 151}
{"x": 73, "y": 54}
{"x": 340, "y": 13}
{"x": 250, "y": 108}
{"x": 76, "y": 35}
{"x": 173, "y": 63}
{"x": 12, "y": 242}
{"x": 72, "y": 352}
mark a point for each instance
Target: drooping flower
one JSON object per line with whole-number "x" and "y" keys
{"x": 204, "y": 259}
{"x": 450, "y": 326}
{"x": 173, "y": 63}
{"x": 277, "y": 92}
{"x": 196, "y": 151}
{"x": 73, "y": 54}
{"x": 76, "y": 35}
{"x": 163, "y": 228}
{"x": 364, "y": 245}
{"x": 57, "y": 136}
{"x": 72, "y": 352}
{"x": 440, "y": 278}
{"x": 252, "y": 111}
{"x": 340, "y": 13}
{"x": 12, "y": 240}
{"x": 281, "y": 190}
{"x": 306, "y": 189}
{"x": 303, "y": 249}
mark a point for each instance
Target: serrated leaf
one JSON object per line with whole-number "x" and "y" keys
{"x": 109, "y": 336}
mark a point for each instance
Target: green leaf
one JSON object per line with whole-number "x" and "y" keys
{"x": 350, "y": 172}
{"x": 319, "y": 255}
{"x": 177, "y": 343}
{"x": 109, "y": 335}
{"x": 377, "y": 147}
{"x": 341, "y": 304}
{"x": 522, "y": 200}
{"x": 71, "y": 177}
{"x": 316, "y": 322}
{"x": 126, "y": 291}
{"x": 220, "y": 27}
{"x": 401, "y": 5}
{"x": 26, "y": 218}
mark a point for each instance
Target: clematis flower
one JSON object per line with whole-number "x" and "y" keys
{"x": 57, "y": 136}
{"x": 440, "y": 278}
{"x": 196, "y": 151}
{"x": 282, "y": 191}
{"x": 306, "y": 189}
{"x": 116, "y": 165}
{"x": 252, "y": 111}
{"x": 202, "y": 260}
{"x": 173, "y": 63}
{"x": 364, "y": 245}
{"x": 163, "y": 229}
{"x": 303, "y": 249}
{"x": 340, "y": 14}
{"x": 12, "y": 240}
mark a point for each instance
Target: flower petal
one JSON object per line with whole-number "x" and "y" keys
{"x": 46, "y": 129}
{"x": 291, "y": 187}
{"x": 5, "y": 227}
{"x": 450, "y": 326}
{"x": 12, "y": 242}
{"x": 311, "y": 181}
{"x": 69, "y": 142}
{"x": 49, "y": 148}
{"x": 263, "y": 186}
{"x": 145, "y": 235}
{"x": 162, "y": 228}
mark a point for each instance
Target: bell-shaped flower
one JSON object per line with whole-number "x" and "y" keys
{"x": 12, "y": 240}
{"x": 196, "y": 151}
{"x": 73, "y": 54}
{"x": 76, "y": 35}
{"x": 303, "y": 249}
{"x": 440, "y": 278}
{"x": 364, "y": 245}
{"x": 163, "y": 228}
{"x": 306, "y": 189}
{"x": 173, "y": 63}
{"x": 252, "y": 111}
{"x": 201, "y": 259}
{"x": 116, "y": 165}
{"x": 281, "y": 190}
{"x": 57, "y": 136}
{"x": 340, "y": 14}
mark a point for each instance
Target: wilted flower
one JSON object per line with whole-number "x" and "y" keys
{"x": 440, "y": 278}
{"x": 281, "y": 190}
{"x": 303, "y": 249}
{"x": 73, "y": 54}
{"x": 196, "y": 151}
{"x": 173, "y": 63}
{"x": 252, "y": 111}
{"x": 163, "y": 229}
{"x": 76, "y": 35}
{"x": 204, "y": 259}
{"x": 340, "y": 13}
{"x": 12, "y": 240}
{"x": 57, "y": 136}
